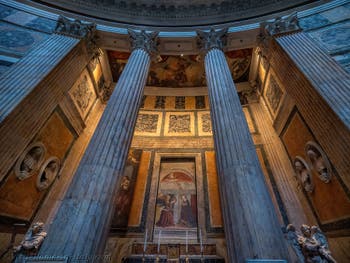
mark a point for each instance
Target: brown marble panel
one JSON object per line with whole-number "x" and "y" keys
{"x": 20, "y": 199}
{"x": 140, "y": 190}
{"x": 329, "y": 201}
{"x": 213, "y": 190}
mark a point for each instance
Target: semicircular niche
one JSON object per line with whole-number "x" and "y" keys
{"x": 30, "y": 160}
{"x": 304, "y": 174}
{"x": 319, "y": 161}
{"x": 48, "y": 173}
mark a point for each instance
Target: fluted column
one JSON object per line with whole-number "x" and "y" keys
{"x": 82, "y": 222}
{"x": 324, "y": 73}
{"x": 251, "y": 227}
{"x": 37, "y": 75}
{"x": 24, "y": 76}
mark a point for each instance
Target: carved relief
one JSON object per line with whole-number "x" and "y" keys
{"x": 83, "y": 94}
{"x": 206, "y": 123}
{"x": 48, "y": 173}
{"x": 319, "y": 161}
{"x": 30, "y": 160}
{"x": 179, "y": 123}
{"x": 146, "y": 123}
{"x": 273, "y": 94}
{"x": 304, "y": 174}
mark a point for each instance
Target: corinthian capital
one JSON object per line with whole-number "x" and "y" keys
{"x": 75, "y": 28}
{"x": 211, "y": 39}
{"x": 143, "y": 40}
{"x": 282, "y": 25}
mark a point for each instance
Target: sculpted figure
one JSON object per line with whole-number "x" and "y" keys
{"x": 310, "y": 244}
{"x": 319, "y": 165}
{"x": 30, "y": 162}
{"x": 303, "y": 174}
{"x": 32, "y": 240}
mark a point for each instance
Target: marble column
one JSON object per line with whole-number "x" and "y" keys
{"x": 251, "y": 226}
{"x": 82, "y": 222}
{"x": 324, "y": 73}
{"x": 21, "y": 87}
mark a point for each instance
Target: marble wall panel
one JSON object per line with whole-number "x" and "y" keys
{"x": 83, "y": 94}
{"x": 179, "y": 124}
{"x": 149, "y": 123}
{"x": 215, "y": 214}
{"x": 140, "y": 190}
{"x": 330, "y": 202}
{"x": 20, "y": 199}
{"x": 204, "y": 123}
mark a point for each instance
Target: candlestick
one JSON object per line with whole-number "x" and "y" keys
{"x": 200, "y": 239}
{"x": 145, "y": 243}
{"x": 159, "y": 235}
{"x": 186, "y": 241}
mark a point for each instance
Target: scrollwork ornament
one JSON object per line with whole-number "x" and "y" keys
{"x": 143, "y": 40}
{"x": 212, "y": 39}
{"x": 30, "y": 160}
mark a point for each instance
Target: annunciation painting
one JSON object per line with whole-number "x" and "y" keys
{"x": 176, "y": 204}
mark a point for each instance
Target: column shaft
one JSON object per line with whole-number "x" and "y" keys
{"x": 251, "y": 226}
{"x": 25, "y": 75}
{"x": 82, "y": 222}
{"x": 327, "y": 77}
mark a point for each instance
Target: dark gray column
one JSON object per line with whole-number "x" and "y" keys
{"x": 250, "y": 222}
{"x": 82, "y": 222}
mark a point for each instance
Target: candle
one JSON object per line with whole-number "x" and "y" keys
{"x": 186, "y": 241}
{"x": 159, "y": 235}
{"x": 145, "y": 243}
{"x": 200, "y": 239}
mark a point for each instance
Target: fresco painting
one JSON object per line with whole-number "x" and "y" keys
{"x": 183, "y": 71}
{"x": 176, "y": 205}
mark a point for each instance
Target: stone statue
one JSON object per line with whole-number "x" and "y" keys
{"x": 310, "y": 244}
{"x": 32, "y": 240}
{"x": 304, "y": 175}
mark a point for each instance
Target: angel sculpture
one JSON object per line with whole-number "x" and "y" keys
{"x": 310, "y": 245}
{"x": 32, "y": 240}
